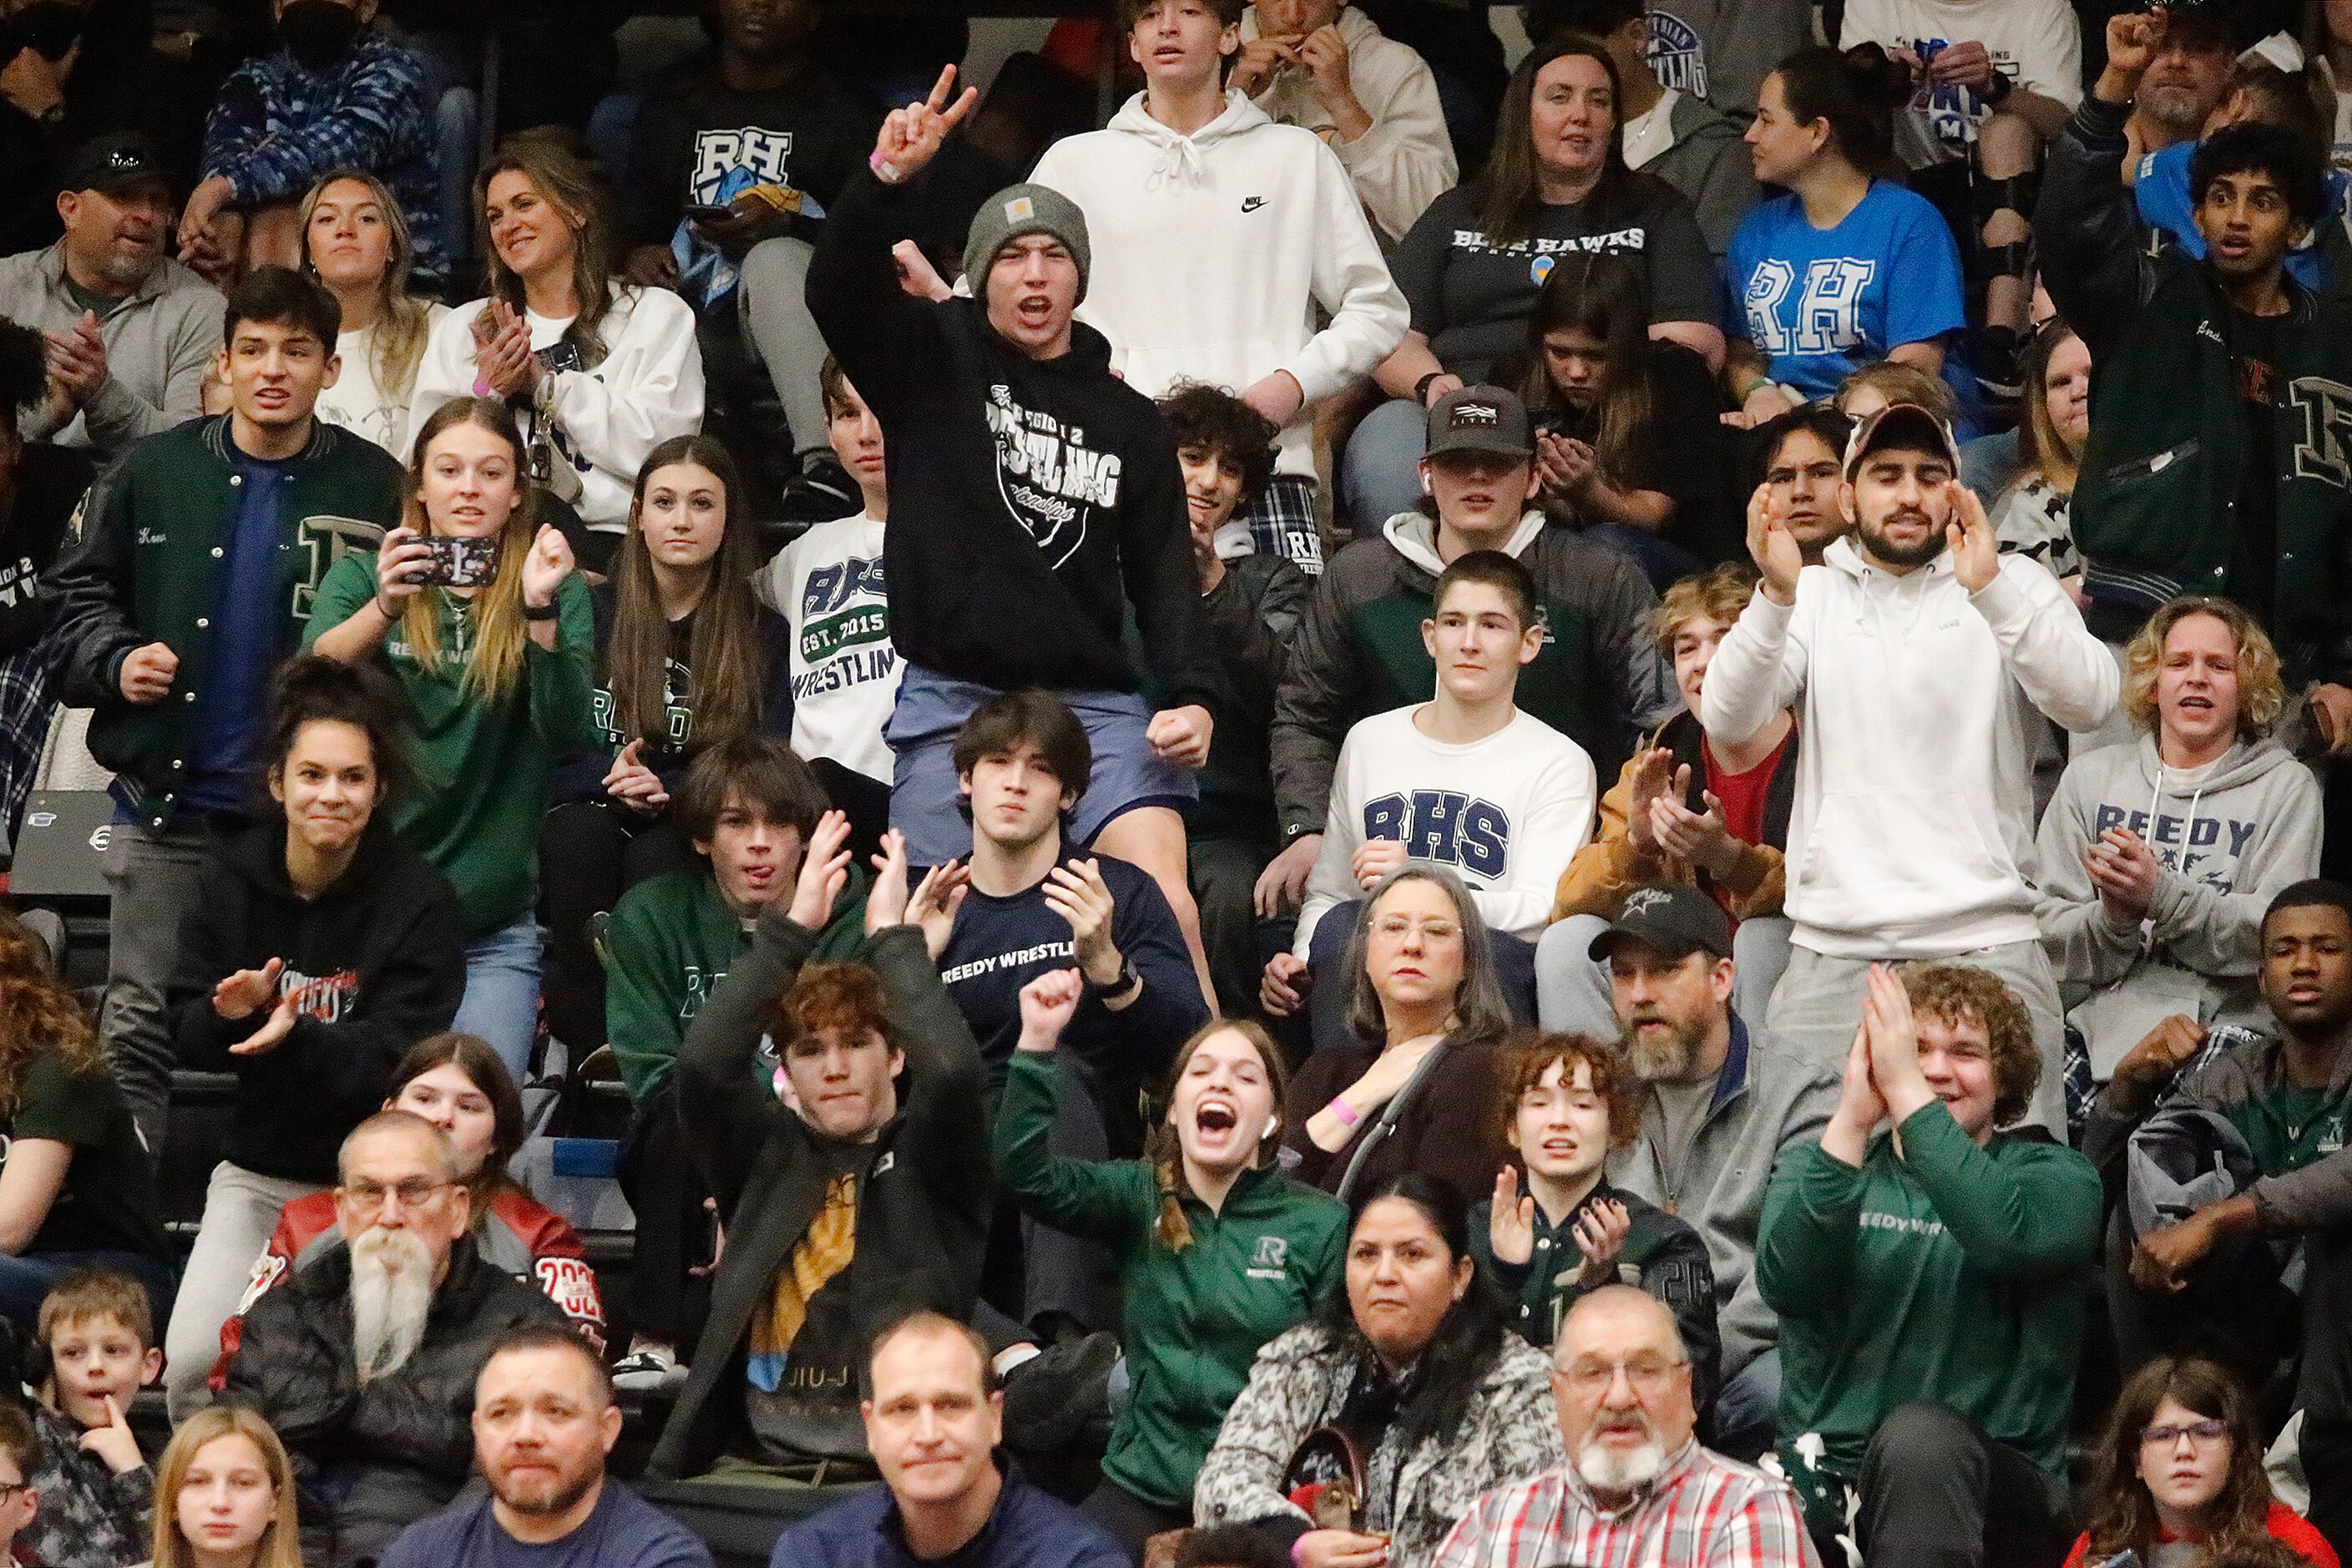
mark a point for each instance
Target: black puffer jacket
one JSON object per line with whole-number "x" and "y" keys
{"x": 373, "y": 1458}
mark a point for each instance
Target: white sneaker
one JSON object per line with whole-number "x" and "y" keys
{"x": 648, "y": 1370}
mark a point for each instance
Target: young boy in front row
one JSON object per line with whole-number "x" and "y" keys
{"x": 95, "y": 1487}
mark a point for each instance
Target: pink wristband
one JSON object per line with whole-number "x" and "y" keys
{"x": 1343, "y": 1110}
{"x": 1296, "y": 1560}
{"x": 483, "y": 388}
{"x": 884, "y": 170}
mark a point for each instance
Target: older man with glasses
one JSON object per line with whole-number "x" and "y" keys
{"x": 364, "y": 1361}
{"x": 1638, "y": 1488}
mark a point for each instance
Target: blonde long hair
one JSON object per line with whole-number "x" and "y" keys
{"x": 404, "y": 321}
{"x": 494, "y": 663}
{"x": 281, "y": 1539}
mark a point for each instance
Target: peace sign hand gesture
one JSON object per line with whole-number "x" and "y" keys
{"x": 911, "y": 137}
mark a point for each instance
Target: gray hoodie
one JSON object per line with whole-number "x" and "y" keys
{"x": 2231, "y": 835}
{"x": 1764, "y": 1102}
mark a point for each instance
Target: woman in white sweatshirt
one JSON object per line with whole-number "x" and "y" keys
{"x": 1218, "y": 236}
{"x": 2159, "y": 857}
{"x": 598, "y": 372}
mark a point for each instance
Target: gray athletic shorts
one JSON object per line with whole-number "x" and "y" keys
{"x": 927, "y": 805}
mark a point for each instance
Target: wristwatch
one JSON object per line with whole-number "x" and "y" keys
{"x": 1996, "y": 90}
{"x": 1125, "y": 981}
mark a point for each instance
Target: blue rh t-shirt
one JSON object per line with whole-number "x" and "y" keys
{"x": 2161, "y": 194}
{"x": 249, "y": 628}
{"x": 1821, "y": 304}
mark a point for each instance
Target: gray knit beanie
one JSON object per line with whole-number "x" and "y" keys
{"x": 1019, "y": 210}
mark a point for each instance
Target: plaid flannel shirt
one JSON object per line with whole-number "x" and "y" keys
{"x": 1703, "y": 1512}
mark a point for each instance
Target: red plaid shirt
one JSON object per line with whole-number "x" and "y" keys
{"x": 1703, "y": 1512}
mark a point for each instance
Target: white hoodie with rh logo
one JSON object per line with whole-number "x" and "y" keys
{"x": 1912, "y": 834}
{"x": 1214, "y": 254}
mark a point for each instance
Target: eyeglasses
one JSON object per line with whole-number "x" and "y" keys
{"x": 2197, "y": 1432}
{"x": 10, "y": 1488}
{"x": 1648, "y": 1375}
{"x": 408, "y": 1195}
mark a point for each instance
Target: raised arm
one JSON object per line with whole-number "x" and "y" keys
{"x": 1109, "y": 1201}
{"x": 884, "y": 337}
{"x": 2086, "y": 230}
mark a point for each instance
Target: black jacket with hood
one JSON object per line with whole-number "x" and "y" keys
{"x": 371, "y": 1458}
{"x": 374, "y": 963}
{"x": 924, "y": 1184}
{"x": 1033, "y": 501}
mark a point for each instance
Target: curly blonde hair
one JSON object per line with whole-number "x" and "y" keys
{"x": 1719, "y": 592}
{"x": 1960, "y": 994}
{"x": 2262, "y": 690}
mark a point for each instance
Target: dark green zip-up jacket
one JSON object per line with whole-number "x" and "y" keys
{"x": 1947, "y": 1272}
{"x": 1194, "y": 1320}
{"x": 2156, "y": 507}
{"x": 155, "y": 530}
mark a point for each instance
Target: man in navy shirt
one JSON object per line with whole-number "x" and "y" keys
{"x": 1022, "y": 760}
{"x": 934, "y": 1418}
{"x": 543, "y": 1422}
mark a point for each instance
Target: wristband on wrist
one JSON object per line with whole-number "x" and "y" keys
{"x": 483, "y": 388}
{"x": 1421, "y": 387}
{"x": 1299, "y": 1556}
{"x": 884, "y": 170}
{"x": 547, "y": 611}
{"x": 1346, "y": 1113}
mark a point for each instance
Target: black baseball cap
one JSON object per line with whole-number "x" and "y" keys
{"x": 115, "y": 162}
{"x": 1480, "y": 419}
{"x": 1673, "y": 918}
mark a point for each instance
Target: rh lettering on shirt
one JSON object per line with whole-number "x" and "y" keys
{"x": 1051, "y": 481}
{"x": 764, "y": 156}
{"x": 1445, "y": 826}
{"x": 1271, "y": 1259}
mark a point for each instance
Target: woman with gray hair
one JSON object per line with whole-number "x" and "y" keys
{"x": 1413, "y": 1087}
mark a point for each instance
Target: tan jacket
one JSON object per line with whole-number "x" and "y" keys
{"x": 1608, "y": 867}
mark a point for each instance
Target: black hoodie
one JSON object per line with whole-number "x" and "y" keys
{"x": 1031, "y": 501}
{"x": 379, "y": 963}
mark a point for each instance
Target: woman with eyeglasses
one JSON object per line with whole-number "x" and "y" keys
{"x": 2179, "y": 1482}
{"x": 1408, "y": 1387}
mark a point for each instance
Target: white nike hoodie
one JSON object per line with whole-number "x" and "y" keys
{"x": 1912, "y": 831}
{"x": 1214, "y": 252}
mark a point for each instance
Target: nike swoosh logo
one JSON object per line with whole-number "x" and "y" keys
{"x": 1251, "y": 204}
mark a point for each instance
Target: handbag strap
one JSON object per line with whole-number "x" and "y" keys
{"x": 1379, "y": 1131}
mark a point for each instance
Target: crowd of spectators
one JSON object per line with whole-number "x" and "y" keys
{"x": 1417, "y": 807}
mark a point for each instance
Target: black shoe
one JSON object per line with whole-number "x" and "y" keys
{"x": 821, "y": 492}
{"x": 1060, "y": 1398}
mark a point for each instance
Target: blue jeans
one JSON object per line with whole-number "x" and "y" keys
{"x": 1380, "y": 473}
{"x": 27, "y": 1278}
{"x": 501, "y": 1001}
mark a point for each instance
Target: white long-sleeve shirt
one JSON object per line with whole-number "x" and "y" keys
{"x": 1912, "y": 834}
{"x": 646, "y": 389}
{"x": 1506, "y": 814}
{"x": 1406, "y": 160}
{"x": 1214, "y": 254}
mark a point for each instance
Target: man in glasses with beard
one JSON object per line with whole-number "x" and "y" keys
{"x": 365, "y": 1360}
{"x": 1638, "y": 1487}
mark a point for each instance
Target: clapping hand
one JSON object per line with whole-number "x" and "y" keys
{"x": 824, "y": 871}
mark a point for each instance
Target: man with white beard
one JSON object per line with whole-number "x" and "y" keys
{"x": 1638, "y": 1490}
{"x": 364, "y": 1361}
